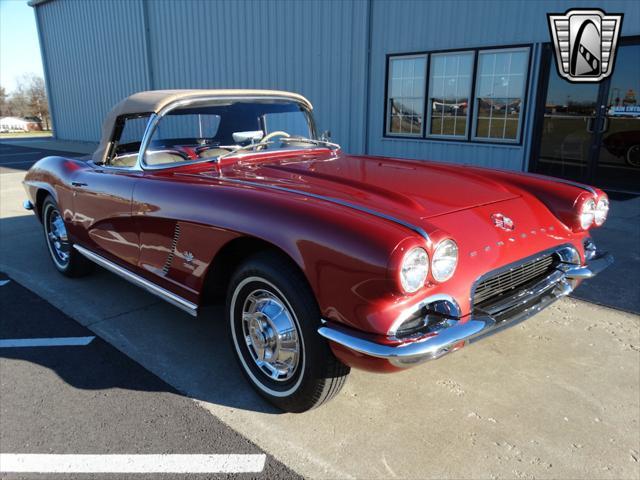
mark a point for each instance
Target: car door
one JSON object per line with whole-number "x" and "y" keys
{"x": 102, "y": 216}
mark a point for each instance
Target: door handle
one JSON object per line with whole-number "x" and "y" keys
{"x": 78, "y": 184}
{"x": 590, "y": 124}
{"x": 605, "y": 125}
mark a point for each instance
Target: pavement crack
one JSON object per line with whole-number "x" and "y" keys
{"x": 116, "y": 315}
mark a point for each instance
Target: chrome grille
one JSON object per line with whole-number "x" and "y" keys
{"x": 506, "y": 281}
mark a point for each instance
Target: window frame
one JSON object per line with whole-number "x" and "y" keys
{"x": 468, "y": 119}
{"x": 469, "y": 137}
{"x": 387, "y": 120}
{"x": 474, "y": 120}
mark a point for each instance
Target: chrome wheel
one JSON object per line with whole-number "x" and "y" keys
{"x": 57, "y": 238}
{"x": 633, "y": 156}
{"x": 270, "y": 334}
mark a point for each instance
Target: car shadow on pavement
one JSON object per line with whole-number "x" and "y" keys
{"x": 192, "y": 356}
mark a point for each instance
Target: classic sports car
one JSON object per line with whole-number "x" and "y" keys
{"x": 327, "y": 261}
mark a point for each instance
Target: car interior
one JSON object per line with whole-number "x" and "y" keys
{"x": 209, "y": 132}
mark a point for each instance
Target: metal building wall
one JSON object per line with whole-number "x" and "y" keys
{"x": 412, "y": 26}
{"x": 96, "y": 54}
{"x": 310, "y": 47}
{"x": 93, "y": 55}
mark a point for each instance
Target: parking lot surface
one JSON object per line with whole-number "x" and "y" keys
{"x": 555, "y": 397}
{"x": 15, "y": 158}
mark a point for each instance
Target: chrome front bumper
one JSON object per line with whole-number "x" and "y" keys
{"x": 456, "y": 333}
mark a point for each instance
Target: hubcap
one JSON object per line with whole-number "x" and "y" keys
{"x": 633, "y": 155}
{"x": 270, "y": 334}
{"x": 58, "y": 239}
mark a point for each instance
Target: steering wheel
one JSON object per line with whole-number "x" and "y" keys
{"x": 277, "y": 133}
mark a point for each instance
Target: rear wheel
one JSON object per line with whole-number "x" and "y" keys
{"x": 65, "y": 258}
{"x": 273, "y": 321}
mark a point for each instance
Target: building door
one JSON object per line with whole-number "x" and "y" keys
{"x": 591, "y": 132}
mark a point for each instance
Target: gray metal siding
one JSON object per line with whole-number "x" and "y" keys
{"x": 416, "y": 26}
{"x": 97, "y": 54}
{"x": 93, "y": 53}
{"x": 303, "y": 47}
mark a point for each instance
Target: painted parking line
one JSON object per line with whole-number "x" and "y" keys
{"x": 69, "y": 463}
{"x": 46, "y": 342}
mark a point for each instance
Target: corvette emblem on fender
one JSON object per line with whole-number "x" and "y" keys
{"x": 502, "y": 221}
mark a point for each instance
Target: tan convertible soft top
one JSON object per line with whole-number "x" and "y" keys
{"x": 153, "y": 101}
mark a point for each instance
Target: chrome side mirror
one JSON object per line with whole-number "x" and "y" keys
{"x": 326, "y": 136}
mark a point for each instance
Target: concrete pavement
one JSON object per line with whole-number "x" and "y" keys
{"x": 556, "y": 397}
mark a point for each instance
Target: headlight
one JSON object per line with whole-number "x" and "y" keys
{"x": 602, "y": 210}
{"x": 445, "y": 260}
{"x": 587, "y": 213}
{"x": 414, "y": 269}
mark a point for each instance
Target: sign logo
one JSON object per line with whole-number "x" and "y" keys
{"x": 585, "y": 43}
{"x": 503, "y": 222}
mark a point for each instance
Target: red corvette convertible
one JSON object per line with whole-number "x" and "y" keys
{"x": 327, "y": 261}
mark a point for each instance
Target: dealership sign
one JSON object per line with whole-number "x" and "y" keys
{"x": 585, "y": 43}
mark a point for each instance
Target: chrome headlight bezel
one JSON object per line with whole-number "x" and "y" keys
{"x": 587, "y": 213}
{"x": 445, "y": 260}
{"x": 601, "y": 211}
{"x": 414, "y": 269}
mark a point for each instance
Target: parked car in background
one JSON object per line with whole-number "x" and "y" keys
{"x": 625, "y": 145}
{"x": 327, "y": 261}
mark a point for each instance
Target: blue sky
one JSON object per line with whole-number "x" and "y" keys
{"x": 19, "y": 47}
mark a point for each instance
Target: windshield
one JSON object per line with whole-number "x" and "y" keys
{"x": 214, "y": 130}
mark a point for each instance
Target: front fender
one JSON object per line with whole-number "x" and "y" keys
{"x": 343, "y": 253}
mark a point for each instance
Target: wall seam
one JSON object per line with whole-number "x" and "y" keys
{"x": 367, "y": 79}
{"x": 147, "y": 45}
{"x": 45, "y": 68}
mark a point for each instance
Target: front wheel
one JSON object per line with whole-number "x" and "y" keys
{"x": 273, "y": 321}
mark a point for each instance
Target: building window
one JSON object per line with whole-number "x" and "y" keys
{"x": 405, "y": 104}
{"x": 449, "y": 90}
{"x": 475, "y": 95}
{"x": 500, "y": 87}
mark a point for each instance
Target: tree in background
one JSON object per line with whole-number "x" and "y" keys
{"x": 3, "y": 102}
{"x": 29, "y": 99}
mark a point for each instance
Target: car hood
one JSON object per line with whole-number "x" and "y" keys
{"x": 403, "y": 188}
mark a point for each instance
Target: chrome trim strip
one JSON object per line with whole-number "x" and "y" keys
{"x": 594, "y": 265}
{"x": 420, "y": 231}
{"x": 559, "y": 180}
{"x": 187, "y": 306}
{"x": 408, "y": 312}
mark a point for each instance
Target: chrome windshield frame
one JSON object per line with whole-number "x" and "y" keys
{"x": 155, "y": 119}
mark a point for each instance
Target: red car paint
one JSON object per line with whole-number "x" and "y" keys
{"x": 350, "y": 257}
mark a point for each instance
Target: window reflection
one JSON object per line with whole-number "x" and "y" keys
{"x": 449, "y": 90}
{"x": 500, "y": 87}
{"x": 405, "y": 107}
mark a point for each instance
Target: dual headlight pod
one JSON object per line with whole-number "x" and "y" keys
{"x": 593, "y": 213}
{"x": 415, "y": 265}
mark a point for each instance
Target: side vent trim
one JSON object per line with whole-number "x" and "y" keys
{"x": 172, "y": 251}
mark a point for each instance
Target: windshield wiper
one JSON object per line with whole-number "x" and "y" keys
{"x": 331, "y": 145}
